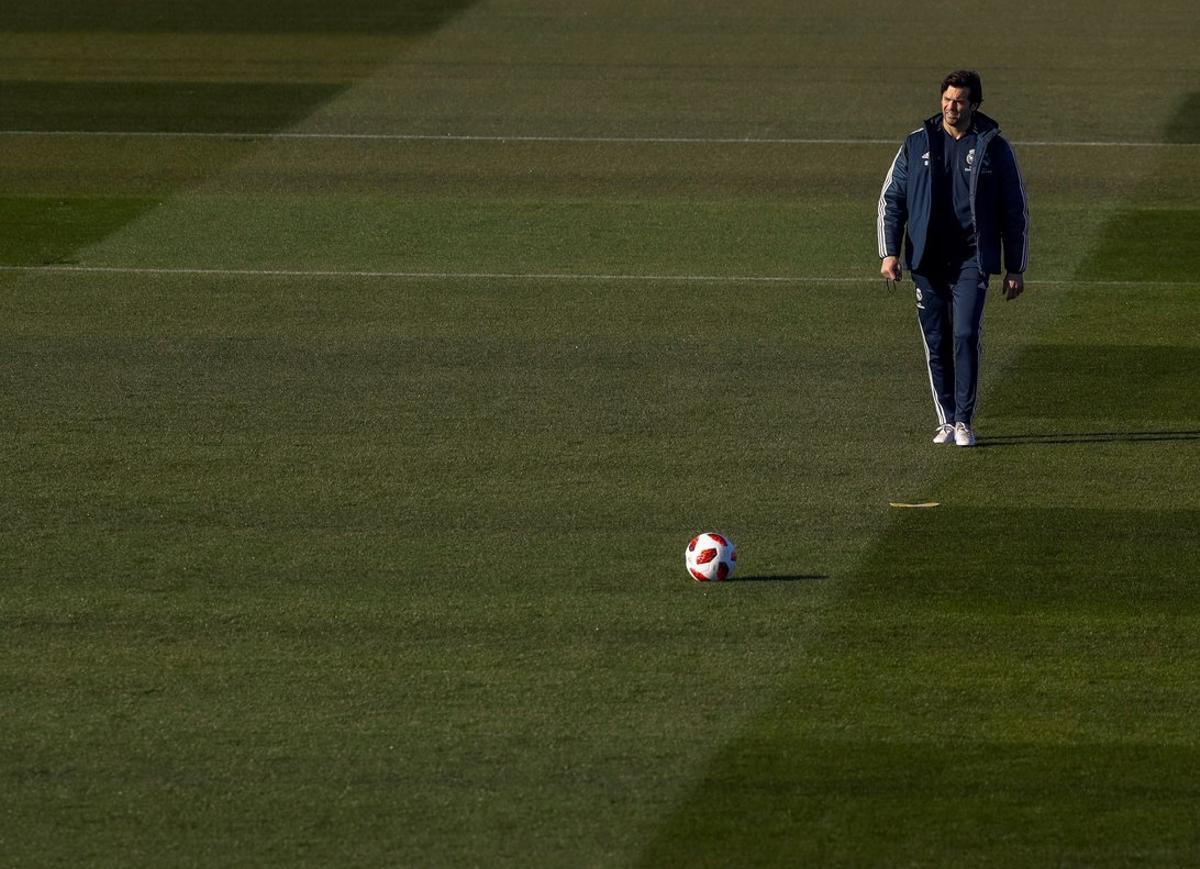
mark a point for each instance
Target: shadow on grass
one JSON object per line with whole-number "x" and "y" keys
{"x": 782, "y": 577}
{"x": 1099, "y": 437}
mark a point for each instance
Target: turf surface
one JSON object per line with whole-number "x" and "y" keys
{"x": 335, "y": 566}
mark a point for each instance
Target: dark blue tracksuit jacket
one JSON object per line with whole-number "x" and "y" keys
{"x": 998, "y": 203}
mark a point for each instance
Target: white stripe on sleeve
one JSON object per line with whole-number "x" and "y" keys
{"x": 1025, "y": 208}
{"x": 880, "y": 227}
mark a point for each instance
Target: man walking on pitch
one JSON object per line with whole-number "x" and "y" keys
{"x": 956, "y": 199}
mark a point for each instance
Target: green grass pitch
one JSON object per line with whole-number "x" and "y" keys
{"x": 345, "y": 480}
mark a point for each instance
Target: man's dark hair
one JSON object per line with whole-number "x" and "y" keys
{"x": 965, "y": 78}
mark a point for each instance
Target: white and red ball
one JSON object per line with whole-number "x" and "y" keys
{"x": 710, "y": 557}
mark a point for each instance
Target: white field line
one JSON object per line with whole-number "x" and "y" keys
{"x": 453, "y": 137}
{"x": 515, "y": 276}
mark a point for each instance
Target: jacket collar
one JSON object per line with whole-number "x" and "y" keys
{"x": 984, "y": 125}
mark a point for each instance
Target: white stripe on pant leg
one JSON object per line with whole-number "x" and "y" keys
{"x": 983, "y": 310}
{"x": 978, "y": 370}
{"x": 929, "y": 367}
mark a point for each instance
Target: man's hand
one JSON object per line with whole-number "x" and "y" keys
{"x": 890, "y": 268}
{"x": 1014, "y": 285}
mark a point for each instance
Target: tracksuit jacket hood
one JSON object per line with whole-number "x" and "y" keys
{"x": 998, "y": 202}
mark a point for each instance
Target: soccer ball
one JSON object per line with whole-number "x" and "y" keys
{"x": 710, "y": 557}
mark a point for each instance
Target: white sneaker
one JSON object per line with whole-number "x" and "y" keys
{"x": 963, "y": 436}
{"x": 945, "y": 434}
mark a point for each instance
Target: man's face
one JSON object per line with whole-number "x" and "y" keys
{"x": 956, "y": 107}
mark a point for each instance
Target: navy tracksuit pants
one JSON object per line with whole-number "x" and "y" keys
{"x": 950, "y": 310}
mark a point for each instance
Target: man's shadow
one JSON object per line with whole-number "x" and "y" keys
{"x": 1097, "y": 437}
